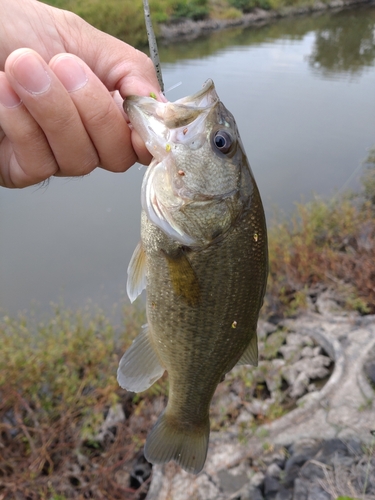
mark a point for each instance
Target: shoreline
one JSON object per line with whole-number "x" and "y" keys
{"x": 189, "y": 30}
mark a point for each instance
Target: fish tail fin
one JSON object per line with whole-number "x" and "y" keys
{"x": 186, "y": 445}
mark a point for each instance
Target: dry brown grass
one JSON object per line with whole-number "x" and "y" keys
{"x": 330, "y": 244}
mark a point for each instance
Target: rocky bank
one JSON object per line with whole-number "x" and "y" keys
{"x": 189, "y": 30}
{"x": 322, "y": 449}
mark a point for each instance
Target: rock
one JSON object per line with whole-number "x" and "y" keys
{"x": 293, "y": 468}
{"x": 317, "y": 350}
{"x": 307, "y": 352}
{"x": 122, "y": 478}
{"x": 257, "y": 479}
{"x": 331, "y": 449}
{"x": 290, "y": 352}
{"x": 271, "y": 486}
{"x": 278, "y": 457}
{"x": 114, "y": 417}
{"x": 232, "y": 480}
{"x": 312, "y": 471}
{"x": 258, "y": 406}
{"x": 308, "y": 447}
{"x": 300, "y": 490}
{"x": 273, "y": 470}
{"x": 316, "y": 492}
{"x": 244, "y": 417}
{"x": 250, "y": 492}
{"x": 265, "y": 328}
{"x": 300, "y": 385}
{"x": 337, "y": 4}
{"x": 298, "y": 340}
{"x": 284, "y": 494}
{"x": 318, "y": 6}
{"x": 274, "y": 374}
{"x": 312, "y": 367}
{"x": 299, "y": 456}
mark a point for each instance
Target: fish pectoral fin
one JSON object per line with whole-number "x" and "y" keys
{"x": 136, "y": 273}
{"x": 173, "y": 440}
{"x": 250, "y": 356}
{"x": 183, "y": 277}
{"x": 140, "y": 366}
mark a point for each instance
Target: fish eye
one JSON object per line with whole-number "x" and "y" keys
{"x": 223, "y": 141}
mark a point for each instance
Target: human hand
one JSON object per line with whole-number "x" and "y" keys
{"x": 58, "y": 114}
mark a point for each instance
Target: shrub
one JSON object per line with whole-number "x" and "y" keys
{"x": 192, "y": 9}
{"x": 249, "y": 5}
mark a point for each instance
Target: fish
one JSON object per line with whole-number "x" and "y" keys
{"x": 203, "y": 261}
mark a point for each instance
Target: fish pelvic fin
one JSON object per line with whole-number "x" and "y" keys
{"x": 171, "y": 440}
{"x": 250, "y": 355}
{"x": 140, "y": 366}
{"x": 136, "y": 273}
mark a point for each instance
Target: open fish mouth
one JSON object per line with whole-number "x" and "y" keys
{"x": 163, "y": 124}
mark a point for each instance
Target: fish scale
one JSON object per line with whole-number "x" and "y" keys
{"x": 204, "y": 297}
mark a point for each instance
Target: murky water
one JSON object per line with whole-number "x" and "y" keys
{"x": 303, "y": 94}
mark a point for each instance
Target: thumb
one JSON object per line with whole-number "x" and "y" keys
{"x": 118, "y": 65}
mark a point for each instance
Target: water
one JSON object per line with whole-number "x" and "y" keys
{"x": 302, "y": 92}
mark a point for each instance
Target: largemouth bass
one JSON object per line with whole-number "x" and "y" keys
{"x": 203, "y": 261}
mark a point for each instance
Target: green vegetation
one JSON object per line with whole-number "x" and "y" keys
{"x": 57, "y": 380}
{"x": 249, "y": 5}
{"x": 329, "y": 245}
{"x": 124, "y": 18}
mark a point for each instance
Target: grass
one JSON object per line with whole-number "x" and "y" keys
{"x": 325, "y": 244}
{"x": 124, "y": 18}
{"x": 57, "y": 377}
{"x": 57, "y": 382}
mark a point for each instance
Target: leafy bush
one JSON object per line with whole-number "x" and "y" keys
{"x": 249, "y": 5}
{"x": 192, "y": 9}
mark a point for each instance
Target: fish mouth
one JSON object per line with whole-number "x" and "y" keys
{"x": 162, "y": 124}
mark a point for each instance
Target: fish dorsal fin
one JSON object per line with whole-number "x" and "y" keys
{"x": 250, "y": 356}
{"x": 140, "y": 366}
{"x": 184, "y": 280}
{"x": 136, "y": 273}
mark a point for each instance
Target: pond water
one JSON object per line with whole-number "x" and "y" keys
{"x": 302, "y": 91}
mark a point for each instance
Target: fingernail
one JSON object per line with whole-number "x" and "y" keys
{"x": 70, "y": 73}
{"x": 30, "y": 73}
{"x": 8, "y": 98}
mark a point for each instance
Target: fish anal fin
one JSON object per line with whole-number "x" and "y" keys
{"x": 183, "y": 277}
{"x": 140, "y": 366}
{"x": 185, "y": 445}
{"x": 136, "y": 273}
{"x": 250, "y": 355}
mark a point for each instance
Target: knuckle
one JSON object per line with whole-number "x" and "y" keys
{"x": 101, "y": 116}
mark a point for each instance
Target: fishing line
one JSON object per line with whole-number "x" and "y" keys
{"x": 173, "y": 87}
{"x": 349, "y": 179}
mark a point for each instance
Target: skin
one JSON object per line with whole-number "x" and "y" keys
{"x": 58, "y": 77}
